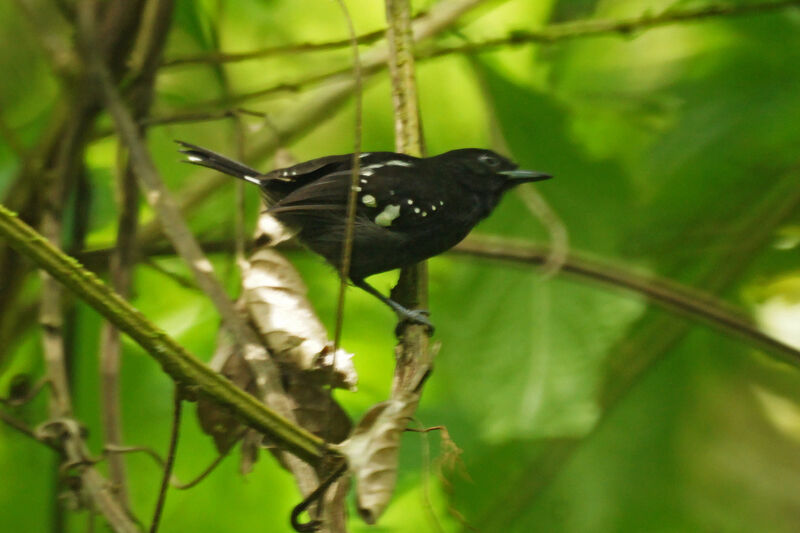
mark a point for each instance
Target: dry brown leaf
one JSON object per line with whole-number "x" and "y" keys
{"x": 372, "y": 452}
{"x": 274, "y": 298}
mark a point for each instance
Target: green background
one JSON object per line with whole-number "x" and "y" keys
{"x": 578, "y": 408}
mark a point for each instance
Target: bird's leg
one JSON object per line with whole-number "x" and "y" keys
{"x": 417, "y": 316}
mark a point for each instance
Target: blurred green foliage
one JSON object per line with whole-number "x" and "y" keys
{"x": 673, "y": 149}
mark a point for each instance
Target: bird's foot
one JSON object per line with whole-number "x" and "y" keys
{"x": 413, "y": 316}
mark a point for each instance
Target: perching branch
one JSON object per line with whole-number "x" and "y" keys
{"x": 186, "y": 370}
{"x": 373, "y": 447}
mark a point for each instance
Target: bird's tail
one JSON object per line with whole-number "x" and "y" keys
{"x": 206, "y": 158}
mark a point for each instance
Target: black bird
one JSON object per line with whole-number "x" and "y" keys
{"x": 408, "y": 208}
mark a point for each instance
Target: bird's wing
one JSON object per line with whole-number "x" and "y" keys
{"x": 383, "y": 197}
{"x": 312, "y": 169}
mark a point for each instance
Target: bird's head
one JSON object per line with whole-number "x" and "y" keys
{"x": 485, "y": 171}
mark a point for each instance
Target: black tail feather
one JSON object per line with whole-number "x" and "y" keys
{"x": 206, "y": 158}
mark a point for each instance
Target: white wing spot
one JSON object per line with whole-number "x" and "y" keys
{"x": 391, "y": 192}
{"x": 410, "y": 201}
{"x": 416, "y": 209}
{"x": 365, "y": 154}
{"x": 367, "y": 172}
{"x": 357, "y": 188}
{"x": 252, "y": 179}
{"x": 194, "y": 158}
{"x": 389, "y": 213}
{"x": 398, "y": 163}
{"x": 363, "y": 181}
{"x": 433, "y": 208}
{"x": 424, "y": 213}
{"x": 441, "y": 202}
{"x": 369, "y": 200}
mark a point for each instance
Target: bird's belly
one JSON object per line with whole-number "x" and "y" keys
{"x": 373, "y": 256}
{"x": 379, "y": 249}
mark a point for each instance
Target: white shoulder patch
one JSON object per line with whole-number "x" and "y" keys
{"x": 387, "y": 216}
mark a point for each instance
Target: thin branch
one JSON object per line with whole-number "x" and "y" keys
{"x": 675, "y": 297}
{"x": 590, "y": 28}
{"x": 221, "y": 57}
{"x": 352, "y": 196}
{"x": 65, "y": 437}
{"x": 202, "y": 475}
{"x": 285, "y": 86}
{"x": 68, "y": 436}
{"x": 177, "y": 409}
{"x": 121, "y": 264}
{"x": 21, "y": 426}
{"x": 183, "y": 367}
{"x": 51, "y": 315}
{"x": 187, "y": 117}
{"x": 174, "y": 481}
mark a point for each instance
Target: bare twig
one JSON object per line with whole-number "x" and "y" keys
{"x": 20, "y": 426}
{"x": 67, "y": 436}
{"x": 120, "y": 267}
{"x": 174, "y": 481}
{"x": 177, "y": 408}
{"x": 347, "y": 249}
{"x": 590, "y": 28}
{"x": 51, "y": 314}
{"x": 221, "y": 57}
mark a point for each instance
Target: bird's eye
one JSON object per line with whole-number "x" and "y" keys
{"x": 489, "y": 160}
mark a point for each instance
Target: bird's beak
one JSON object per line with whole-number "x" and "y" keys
{"x": 525, "y": 176}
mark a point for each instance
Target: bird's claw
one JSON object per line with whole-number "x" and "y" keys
{"x": 414, "y": 316}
